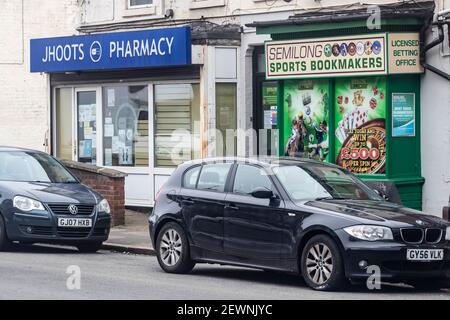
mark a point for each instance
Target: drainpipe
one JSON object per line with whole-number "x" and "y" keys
{"x": 440, "y": 21}
{"x": 446, "y": 211}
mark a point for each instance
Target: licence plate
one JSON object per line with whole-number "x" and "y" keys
{"x": 74, "y": 222}
{"x": 425, "y": 254}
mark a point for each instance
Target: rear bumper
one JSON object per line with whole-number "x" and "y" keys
{"x": 44, "y": 228}
{"x": 390, "y": 258}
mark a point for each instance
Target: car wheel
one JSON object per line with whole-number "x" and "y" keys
{"x": 172, "y": 249}
{"x": 321, "y": 264}
{"x": 5, "y": 243}
{"x": 89, "y": 247}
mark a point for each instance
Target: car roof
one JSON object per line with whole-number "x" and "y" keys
{"x": 264, "y": 160}
{"x": 6, "y": 148}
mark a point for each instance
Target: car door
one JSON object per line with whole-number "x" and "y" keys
{"x": 203, "y": 204}
{"x": 252, "y": 226}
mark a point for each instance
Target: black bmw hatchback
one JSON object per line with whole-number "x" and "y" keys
{"x": 42, "y": 202}
{"x": 296, "y": 216}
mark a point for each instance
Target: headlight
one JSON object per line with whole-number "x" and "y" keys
{"x": 370, "y": 233}
{"x": 447, "y": 234}
{"x": 27, "y": 204}
{"x": 103, "y": 206}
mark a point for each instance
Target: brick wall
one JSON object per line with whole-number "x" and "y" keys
{"x": 109, "y": 183}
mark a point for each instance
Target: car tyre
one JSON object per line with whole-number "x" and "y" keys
{"x": 172, "y": 249}
{"x": 5, "y": 243}
{"x": 89, "y": 247}
{"x": 322, "y": 266}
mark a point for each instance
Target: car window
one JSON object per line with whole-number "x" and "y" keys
{"x": 214, "y": 176}
{"x": 308, "y": 182}
{"x": 32, "y": 167}
{"x": 248, "y": 178}
{"x": 190, "y": 177}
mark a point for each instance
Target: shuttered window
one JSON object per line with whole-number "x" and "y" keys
{"x": 177, "y": 116}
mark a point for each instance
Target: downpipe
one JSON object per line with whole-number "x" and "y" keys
{"x": 440, "y": 22}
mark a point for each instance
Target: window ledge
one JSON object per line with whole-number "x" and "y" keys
{"x": 206, "y": 4}
{"x": 136, "y": 12}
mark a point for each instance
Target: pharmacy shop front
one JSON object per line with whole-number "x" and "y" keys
{"x": 352, "y": 99}
{"x": 117, "y": 98}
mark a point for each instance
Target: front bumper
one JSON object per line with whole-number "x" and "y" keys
{"x": 43, "y": 227}
{"x": 390, "y": 257}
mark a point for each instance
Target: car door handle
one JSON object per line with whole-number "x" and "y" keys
{"x": 232, "y": 207}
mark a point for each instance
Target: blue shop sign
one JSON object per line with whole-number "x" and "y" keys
{"x": 121, "y": 50}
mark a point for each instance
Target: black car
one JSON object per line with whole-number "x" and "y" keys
{"x": 42, "y": 202}
{"x": 296, "y": 216}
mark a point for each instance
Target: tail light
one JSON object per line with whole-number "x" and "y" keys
{"x": 159, "y": 192}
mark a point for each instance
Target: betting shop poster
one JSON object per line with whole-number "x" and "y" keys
{"x": 360, "y": 124}
{"x": 306, "y": 102}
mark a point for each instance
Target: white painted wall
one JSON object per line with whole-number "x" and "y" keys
{"x": 435, "y": 138}
{"x": 24, "y": 96}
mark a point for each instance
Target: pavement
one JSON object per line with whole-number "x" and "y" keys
{"x": 46, "y": 272}
{"x": 133, "y": 237}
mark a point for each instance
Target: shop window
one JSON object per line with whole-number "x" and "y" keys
{"x": 177, "y": 124}
{"x": 306, "y": 130}
{"x": 226, "y": 119}
{"x": 125, "y": 126}
{"x": 64, "y": 119}
{"x": 360, "y": 122}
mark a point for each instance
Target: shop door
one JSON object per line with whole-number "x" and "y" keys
{"x": 265, "y": 116}
{"x": 87, "y": 102}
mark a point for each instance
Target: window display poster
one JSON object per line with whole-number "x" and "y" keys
{"x": 360, "y": 122}
{"x": 85, "y": 149}
{"x": 87, "y": 112}
{"x": 115, "y": 144}
{"x": 306, "y": 102}
{"x": 111, "y": 97}
{"x": 108, "y": 157}
{"x": 125, "y": 155}
{"x": 109, "y": 130}
{"x": 403, "y": 115}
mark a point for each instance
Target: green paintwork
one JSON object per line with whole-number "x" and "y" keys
{"x": 403, "y": 165}
{"x": 314, "y": 27}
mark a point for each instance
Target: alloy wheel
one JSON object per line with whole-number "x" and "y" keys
{"x": 319, "y": 263}
{"x": 171, "y": 247}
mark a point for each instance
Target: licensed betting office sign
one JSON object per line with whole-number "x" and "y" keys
{"x": 340, "y": 56}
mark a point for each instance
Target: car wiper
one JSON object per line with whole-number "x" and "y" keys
{"x": 331, "y": 198}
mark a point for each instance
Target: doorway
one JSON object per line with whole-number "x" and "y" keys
{"x": 265, "y": 108}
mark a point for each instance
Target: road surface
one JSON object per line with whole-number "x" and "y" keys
{"x": 39, "y": 272}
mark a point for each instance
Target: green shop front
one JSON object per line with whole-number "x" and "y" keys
{"x": 351, "y": 96}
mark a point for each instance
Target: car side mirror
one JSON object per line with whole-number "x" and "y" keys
{"x": 263, "y": 193}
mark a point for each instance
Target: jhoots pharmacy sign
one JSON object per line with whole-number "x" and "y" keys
{"x": 375, "y": 54}
{"x": 120, "y": 50}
